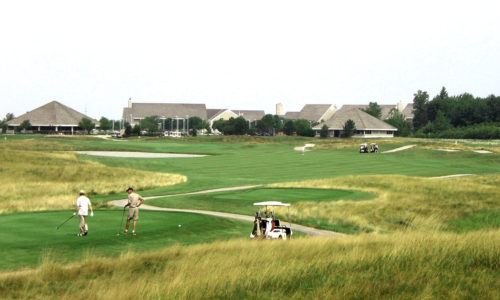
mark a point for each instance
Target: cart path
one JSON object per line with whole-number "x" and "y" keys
{"x": 296, "y": 227}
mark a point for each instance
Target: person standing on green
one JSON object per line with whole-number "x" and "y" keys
{"x": 82, "y": 208}
{"x": 134, "y": 201}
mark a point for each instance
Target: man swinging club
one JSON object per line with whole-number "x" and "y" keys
{"x": 134, "y": 201}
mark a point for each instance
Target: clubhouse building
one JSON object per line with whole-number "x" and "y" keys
{"x": 55, "y": 117}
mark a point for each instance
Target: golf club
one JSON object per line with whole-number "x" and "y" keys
{"x": 57, "y": 227}
{"x": 121, "y": 224}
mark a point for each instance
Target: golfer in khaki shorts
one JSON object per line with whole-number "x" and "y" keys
{"x": 134, "y": 201}
{"x": 82, "y": 208}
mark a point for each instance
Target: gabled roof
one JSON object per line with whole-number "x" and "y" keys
{"x": 292, "y": 115}
{"x": 250, "y": 115}
{"x": 213, "y": 114}
{"x": 314, "y": 112}
{"x": 384, "y": 113}
{"x": 363, "y": 121}
{"x": 167, "y": 110}
{"x": 52, "y": 114}
{"x": 408, "y": 111}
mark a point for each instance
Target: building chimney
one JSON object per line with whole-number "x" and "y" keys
{"x": 130, "y": 102}
{"x": 400, "y": 106}
{"x": 279, "y": 109}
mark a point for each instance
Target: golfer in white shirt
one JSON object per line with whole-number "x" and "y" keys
{"x": 82, "y": 208}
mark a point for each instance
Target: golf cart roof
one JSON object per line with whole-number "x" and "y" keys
{"x": 271, "y": 203}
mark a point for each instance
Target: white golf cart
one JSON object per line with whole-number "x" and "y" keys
{"x": 363, "y": 148}
{"x": 266, "y": 226}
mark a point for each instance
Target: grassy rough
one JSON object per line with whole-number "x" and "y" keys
{"x": 43, "y": 180}
{"x": 403, "y": 202}
{"x": 398, "y": 266}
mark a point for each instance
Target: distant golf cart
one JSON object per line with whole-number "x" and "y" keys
{"x": 364, "y": 148}
{"x": 266, "y": 226}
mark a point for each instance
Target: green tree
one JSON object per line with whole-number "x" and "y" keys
{"x": 323, "y": 133}
{"x": 420, "y": 103}
{"x": 289, "y": 127}
{"x": 25, "y": 125}
{"x": 266, "y": 124}
{"x": 105, "y": 124}
{"x": 128, "y": 129}
{"x": 277, "y": 124}
{"x": 373, "y": 109}
{"x": 349, "y": 128}
{"x": 219, "y": 125}
{"x": 198, "y": 124}
{"x": 86, "y": 124}
{"x": 3, "y": 123}
{"x": 151, "y": 124}
{"x": 240, "y": 126}
{"x": 441, "y": 123}
{"x": 136, "y": 130}
{"x": 303, "y": 128}
{"x": 398, "y": 120}
{"x": 8, "y": 117}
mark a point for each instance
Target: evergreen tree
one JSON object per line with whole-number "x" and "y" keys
{"x": 420, "y": 102}
{"x": 349, "y": 128}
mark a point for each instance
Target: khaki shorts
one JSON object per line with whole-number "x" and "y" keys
{"x": 133, "y": 213}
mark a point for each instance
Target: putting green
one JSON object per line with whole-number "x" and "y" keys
{"x": 29, "y": 237}
{"x": 241, "y": 201}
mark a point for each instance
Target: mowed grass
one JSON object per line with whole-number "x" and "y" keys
{"x": 242, "y": 201}
{"x": 397, "y": 266}
{"x": 236, "y": 164}
{"x": 28, "y": 238}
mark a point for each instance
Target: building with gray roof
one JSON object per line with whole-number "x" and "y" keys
{"x": 52, "y": 117}
{"x": 408, "y": 112}
{"x": 367, "y": 126}
{"x": 135, "y": 112}
{"x": 250, "y": 115}
{"x": 312, "y": 112}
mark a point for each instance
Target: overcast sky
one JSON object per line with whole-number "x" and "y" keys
{"x": 94, "y": 55}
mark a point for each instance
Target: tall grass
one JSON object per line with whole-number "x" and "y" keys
{"x": 41, "y": 180}
{"x": 401, "y": 266}
{"x": 403, "y": 202}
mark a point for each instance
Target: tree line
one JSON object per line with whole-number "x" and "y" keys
{"x": 462, "y": 116}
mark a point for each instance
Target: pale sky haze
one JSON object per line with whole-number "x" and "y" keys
{"x": 94, "y": 55}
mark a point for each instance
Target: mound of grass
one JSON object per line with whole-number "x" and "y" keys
{"x": 399, "y": 266}
{"x": 41, "y": 180}
{"x": 29, "y": 237}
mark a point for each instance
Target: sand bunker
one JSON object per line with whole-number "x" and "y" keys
{"x": 138, "y": 154}
{"x": 304, "y": 148}
{"x": 400, "y": 149}
{"x": 482, "y": 151}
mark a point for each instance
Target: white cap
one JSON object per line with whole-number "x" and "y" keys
{"x": 82, "y": 192}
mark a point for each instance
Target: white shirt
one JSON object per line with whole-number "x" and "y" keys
{"x": 83, "y": 204}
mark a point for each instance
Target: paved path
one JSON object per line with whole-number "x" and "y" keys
{"x": 296, "y": 227}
